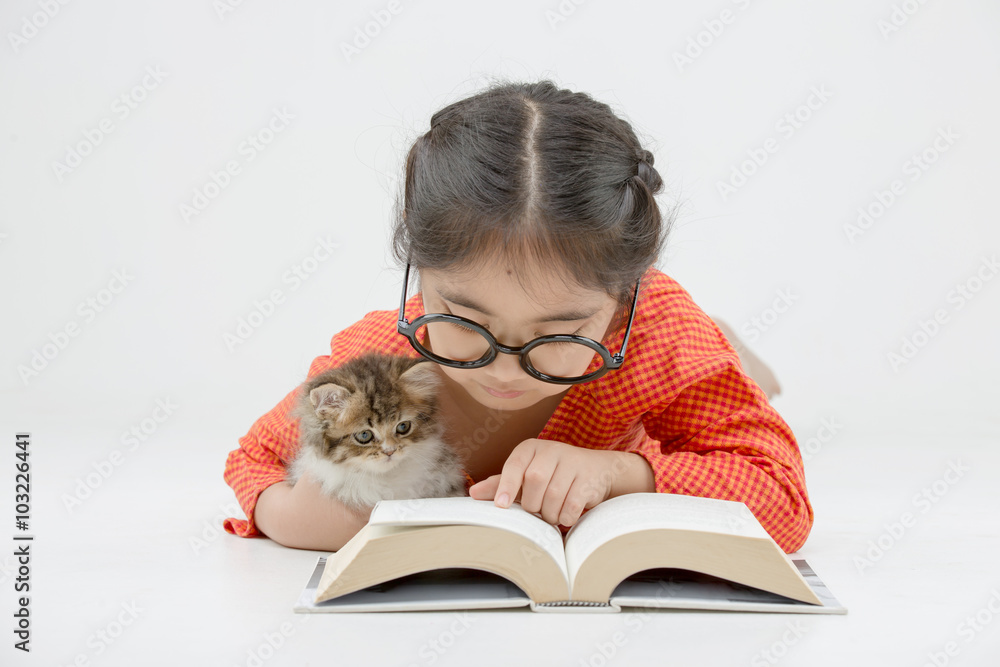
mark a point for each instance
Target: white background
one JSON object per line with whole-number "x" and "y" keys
{"x": 892, "y": 429}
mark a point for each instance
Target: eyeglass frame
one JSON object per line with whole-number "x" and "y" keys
{"x": 611, "y": 361}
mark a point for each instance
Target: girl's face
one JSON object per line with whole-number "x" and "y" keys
{"x": 493, "y": 298}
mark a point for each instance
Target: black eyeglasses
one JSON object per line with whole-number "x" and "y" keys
{"x": 462, "y": 343}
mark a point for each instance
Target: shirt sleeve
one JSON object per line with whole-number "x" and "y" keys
{"x": 720, "y": 437}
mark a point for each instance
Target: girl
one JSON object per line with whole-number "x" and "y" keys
{"x": 528, "y": 212}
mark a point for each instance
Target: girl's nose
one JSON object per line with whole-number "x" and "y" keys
{"x": 506, "y": 369}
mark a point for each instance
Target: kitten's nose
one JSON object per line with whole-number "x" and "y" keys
{"x": 389, "y": 452}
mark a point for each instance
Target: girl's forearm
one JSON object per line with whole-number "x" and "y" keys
{"x": 631, "y": 473}
{"x": 302, "y": 517}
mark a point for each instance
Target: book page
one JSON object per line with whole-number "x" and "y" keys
{"x": 643, "y": 511}
{"x": 469, "y": 511}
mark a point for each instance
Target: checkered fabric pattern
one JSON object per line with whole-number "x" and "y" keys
{"x": 681, "y": 400}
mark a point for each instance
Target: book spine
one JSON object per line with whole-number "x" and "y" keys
{"x": 574, "y": 606}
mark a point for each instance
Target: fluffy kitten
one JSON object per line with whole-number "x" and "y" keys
{"x": 369, "y": 431}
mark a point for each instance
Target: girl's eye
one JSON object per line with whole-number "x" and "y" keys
{"x": 364, "y": 437}
{"x": 447, "y": 311}
{"x": 403, "y": 428}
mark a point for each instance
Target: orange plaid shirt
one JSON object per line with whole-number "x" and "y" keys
{"x": 681, "y": 400}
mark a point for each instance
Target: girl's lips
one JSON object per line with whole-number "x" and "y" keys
{"x": 502, "y": 394}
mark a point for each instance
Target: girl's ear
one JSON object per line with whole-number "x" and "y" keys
{"x": 329, "y": 400}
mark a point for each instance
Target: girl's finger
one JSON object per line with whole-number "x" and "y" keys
{"x": 573, "y": 503}
{"x": 512, "y": 475}
{"x": 537, "y": 477}
{"x": 485, "y": 489}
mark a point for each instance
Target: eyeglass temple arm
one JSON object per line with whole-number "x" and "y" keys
{"x": 628, "y": 328}
{"x": 402, "y": 298}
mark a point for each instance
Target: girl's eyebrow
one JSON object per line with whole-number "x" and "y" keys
{"x": 565, "y": 316}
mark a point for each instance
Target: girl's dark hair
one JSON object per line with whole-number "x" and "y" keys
{"x": 530, "y": 172}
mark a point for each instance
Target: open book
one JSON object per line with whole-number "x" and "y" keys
{"x": 639, "y": 549}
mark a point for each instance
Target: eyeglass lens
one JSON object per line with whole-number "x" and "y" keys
{"x": 452, "y": 340}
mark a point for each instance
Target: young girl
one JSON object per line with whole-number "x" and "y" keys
{"x": 529, "y": 211}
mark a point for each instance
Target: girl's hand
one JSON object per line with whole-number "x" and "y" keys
{"x": 554, "y": 478}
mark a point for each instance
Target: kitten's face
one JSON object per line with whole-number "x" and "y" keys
{"x": 375, "y": 412}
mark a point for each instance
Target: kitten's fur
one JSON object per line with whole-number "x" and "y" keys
{"x": 377, "y": 394}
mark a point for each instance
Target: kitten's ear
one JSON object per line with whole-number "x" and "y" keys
{"x": 421, "y": 376}
{"x": 329, "y": 400}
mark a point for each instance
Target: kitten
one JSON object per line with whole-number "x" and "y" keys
{"x": 369, "y": 430}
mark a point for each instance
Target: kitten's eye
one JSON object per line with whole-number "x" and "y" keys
{"x": 364, "y": 437}
{"x": 403, "y": 428}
